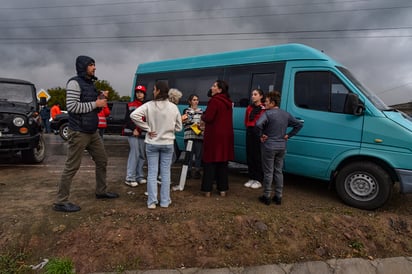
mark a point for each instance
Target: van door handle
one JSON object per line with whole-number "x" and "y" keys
{"x": 300, "y": 119}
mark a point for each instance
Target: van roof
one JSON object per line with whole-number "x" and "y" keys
{"x": 247, "y": 56}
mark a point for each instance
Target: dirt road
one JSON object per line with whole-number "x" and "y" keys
{"x": 122, "y": 234}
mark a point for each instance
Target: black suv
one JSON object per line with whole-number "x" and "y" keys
{"x": 115, "y": 121}
{"x": 20, "y": 123}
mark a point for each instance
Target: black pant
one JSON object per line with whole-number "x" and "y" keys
{"x": 218, "y": 172}
{"x": 253, "y": 155}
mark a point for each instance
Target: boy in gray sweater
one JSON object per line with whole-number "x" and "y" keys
{"x": 271, "y": 127}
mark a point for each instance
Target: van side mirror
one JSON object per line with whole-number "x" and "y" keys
{"x": 353, "y": 105}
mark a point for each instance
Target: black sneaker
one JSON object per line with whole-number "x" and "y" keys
{"x": 68, "y": 207}
{"x": 107, "y": 195}
{"x": 277, "y": 200}
{"x": 265, "y": 200}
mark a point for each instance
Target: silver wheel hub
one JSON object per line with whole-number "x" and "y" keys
{"x": 361, "y": 186}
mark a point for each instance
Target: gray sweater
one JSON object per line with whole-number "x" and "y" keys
{"x": 274, "y": 123}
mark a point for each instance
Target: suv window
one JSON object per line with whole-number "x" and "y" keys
{"x": 16, "y": 93}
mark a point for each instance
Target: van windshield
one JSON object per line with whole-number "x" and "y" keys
{"x": 373, "y": 98}
{"x": 16, "y": 93}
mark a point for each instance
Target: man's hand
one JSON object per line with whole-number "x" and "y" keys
{"x": 263, "y": 138}
{"x": 101, "y": 103}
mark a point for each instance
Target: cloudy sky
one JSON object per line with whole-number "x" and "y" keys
{"x": 40, "y": 39}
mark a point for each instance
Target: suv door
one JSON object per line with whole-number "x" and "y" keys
{"x": 117, "y": 117}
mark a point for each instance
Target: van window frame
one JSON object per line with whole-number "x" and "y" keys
{"x": 312, "y": 94}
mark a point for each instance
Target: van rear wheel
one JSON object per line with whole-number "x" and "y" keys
{"x": 364, "y": 185}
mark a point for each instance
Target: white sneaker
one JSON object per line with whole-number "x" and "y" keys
{"x": 142, "y": 181}
{"x": 152, "y": 206}
{"x": 131, "y": 183}
{"x": 249, "y": 183}
{"x": 256, "y": 185}
{"x": 167, "y": 205}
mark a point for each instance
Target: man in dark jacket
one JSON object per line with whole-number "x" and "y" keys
{"x": 83, "y": 105}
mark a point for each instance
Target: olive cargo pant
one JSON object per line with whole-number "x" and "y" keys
{"x": 77, "y": 143}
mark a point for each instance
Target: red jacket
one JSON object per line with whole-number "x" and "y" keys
{"x": 105, "y": 112}
{"x": 55, "y": 110}
{"x": 218, "y": 138}
{"x": 252, "y": 123}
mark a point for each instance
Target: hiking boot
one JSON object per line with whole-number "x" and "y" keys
{"x": 277, "y": 200}
{"x": 264, "y": 200}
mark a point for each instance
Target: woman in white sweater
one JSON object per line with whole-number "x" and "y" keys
{"x": 160, "y": 118}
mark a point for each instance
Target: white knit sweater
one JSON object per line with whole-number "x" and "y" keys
{"x": 162, "y": 117}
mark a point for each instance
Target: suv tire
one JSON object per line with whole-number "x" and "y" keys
{"x": 64, "y": 131}
{"x": 36, "y": 154}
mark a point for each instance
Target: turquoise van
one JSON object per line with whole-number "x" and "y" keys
{"x": 349, "y": 138}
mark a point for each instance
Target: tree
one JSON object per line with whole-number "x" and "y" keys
{"x": 125, "y": 99}
{"x": 105, "y": 85}
{"x": 57, "y": 95}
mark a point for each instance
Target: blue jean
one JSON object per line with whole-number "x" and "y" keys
{"x": 272, "y": 165}
{"x": 159, "y": 157}
{"x": 136, "y": 159}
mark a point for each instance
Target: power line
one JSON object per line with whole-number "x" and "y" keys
{"x": 182, "y": 11}
{"x": 397, "y": 87}
{"x": 85, "y": 5}
{"x": 205, "y": 39}
{"x": 260, "y": 15}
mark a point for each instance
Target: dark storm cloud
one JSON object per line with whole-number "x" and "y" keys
{"x": 41, "y": 39}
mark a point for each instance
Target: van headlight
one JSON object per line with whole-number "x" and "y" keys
{"x": 18, "y": 121}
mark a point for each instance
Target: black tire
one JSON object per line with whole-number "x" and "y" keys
{"x": 364, "y": 185}
{"x": 64, "y": 131}
{"x": 37, "y": 154}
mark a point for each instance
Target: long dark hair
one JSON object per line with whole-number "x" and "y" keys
{"x": 163, "y": 88}
{"x": 224, "y": 87}
{"x": 261, "y": 93}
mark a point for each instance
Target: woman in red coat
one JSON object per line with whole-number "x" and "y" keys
{"x": 218, "y": 143}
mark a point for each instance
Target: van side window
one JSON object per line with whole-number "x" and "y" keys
{"x": 320, "y": 90}
{"x": 196, "y": 81}
{"x": 243, "y": 79}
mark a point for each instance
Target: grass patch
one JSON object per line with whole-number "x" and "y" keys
{"x": 59, "y": 266}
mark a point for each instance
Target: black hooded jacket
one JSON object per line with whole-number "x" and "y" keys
{"x": 85, "y": 122}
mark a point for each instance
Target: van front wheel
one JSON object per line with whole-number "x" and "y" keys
{"x": 364, "y": 185}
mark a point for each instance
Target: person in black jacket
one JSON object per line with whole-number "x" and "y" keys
{"x": 83, "y": 104}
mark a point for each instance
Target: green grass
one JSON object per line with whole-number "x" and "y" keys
{"x": 59, "y": 266}
{"x": 13, "y": 263}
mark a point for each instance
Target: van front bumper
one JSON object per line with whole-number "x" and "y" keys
{"x": 405, "y": 180}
